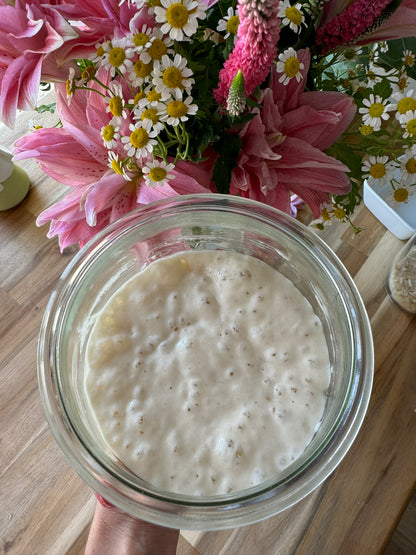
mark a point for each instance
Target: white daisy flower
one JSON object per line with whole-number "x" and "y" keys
{"x": 140, "y": 39}
{"x": 70, "y": 85}
{"x": 118, "y": 57}
{"x": 404, "y": 102}
{"x": 161, "y": 45}
{"x": 408, "y": 122}
{"x": 378, "y": 169}
{"x": 291, "y": 16}
{"x": 116, "y": 103}
{"x": 152, "y": 114}
{"x": 141, "y": 139}
{"x": 100, "y": 50}
{"x": 153, "y": 98}
{"x": 230, "y": 23}
{"x": 400, "y": 195}
{"x": 374, "y": 110}
{"x": 179, "y": 19}
{"x": 289, "y": 66}
{"x": 178, "y": 110}
{"x": 140, "y": 73}
{"x": 110, "y": 135}
{"x": 173, "y": 76}
{"x": 116, "y": 165}
{"x": 157, "y": 173}
{"x": 408, "y": 166}
{"x": 409, "y": 58}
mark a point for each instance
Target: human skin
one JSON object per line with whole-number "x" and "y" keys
{"x": 114, "y": 532}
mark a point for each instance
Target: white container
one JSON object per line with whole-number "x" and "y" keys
{"x": 399, "y": 218}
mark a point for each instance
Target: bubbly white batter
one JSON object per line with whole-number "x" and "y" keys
{"x": 207, "y": 372}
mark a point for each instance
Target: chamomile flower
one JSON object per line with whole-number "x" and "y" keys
{"x": 408, "y": 166}
{"x": 118, "y": 57}
{"x": 399, "y": 195}
{"x": 140, "y": 73}
{"x": 153, "y": 98}
{"x": 140, "y": 39}
{"x": 152, "y": 114}
{"x": 178, "y": 110}
{"x": 116, "y": 165}
{"x": 378, "y": 169}
{"x": 101, "y": 49}
{"x": 375, "y": 110}
{"x": 408, "y": 58}
{"x": 110, "y": 135}
{"x": 179, "y": 18}
{"x": 408, "y": 122}
{"x": 229, "y": 24}
{"x": 289, "y": 66}
{"x": 141, "y": 140}
{"x": 292, "y": 16}
{"x": 116, "y": 103}
{"x": 404, "y": 102}
{"x": 160, "y": 46}
{"x": 173, "y": 76}
{"x": 157, "y": 173}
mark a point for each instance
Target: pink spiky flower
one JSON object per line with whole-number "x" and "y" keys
{"x": 255, "y": 49}
{"x": 351, "y": 23}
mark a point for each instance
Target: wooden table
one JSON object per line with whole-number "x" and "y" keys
{"x": 45, "y": 506}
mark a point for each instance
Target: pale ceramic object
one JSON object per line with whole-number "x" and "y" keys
{"x": 14, "y": 181}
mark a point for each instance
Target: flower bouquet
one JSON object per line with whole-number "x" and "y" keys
{"x": 280, "y": 102}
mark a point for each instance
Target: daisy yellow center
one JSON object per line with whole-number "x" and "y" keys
{"x": 108, "y": 133}
{"x": 142, "y": 70}
{"x": 411, "y": 166}
{"x": 157, "y": 49}
{"x": 378, "y": 170}
{"x": 139, "y": 138}
{"x": 151, "y": 114}
{"x": 405, "y": 104}
{"x": 116, "y": 166}
{"x": 292, "y": 66}
{"x": 176, "y": 109}
{"x": 325, "y": 216}
{"x": 411, "y": 127}
{"x": 177, "y": 15}
{"x": 376, "y": 109}
{"x": 172, "y": 78}
{"x": 116, "y": 106}
{"x": 100, "y": 51}
{"x": 116, "y": 56}
{"x": 139, "y": 96}
{"x": 140, "y": 39}
{"x": 232, "y": 24}
{"x": 339, "y": 213}
{"x": 153, "y": 96}
{"x": 157, "y": 174}
{"x": 294, "y": 15}
{"x": 409, "y": 60}
{"x": 400, "y": 195}
{"x": 366, "y": 130}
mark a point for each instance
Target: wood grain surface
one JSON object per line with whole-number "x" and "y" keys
{"x": 46, "y": 508}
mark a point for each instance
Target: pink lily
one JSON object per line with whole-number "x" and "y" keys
{"x": 76, "y": 156}
{"x": 283, "y": 145}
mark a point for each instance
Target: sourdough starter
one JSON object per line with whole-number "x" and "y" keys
{"x": 207, "y": 372}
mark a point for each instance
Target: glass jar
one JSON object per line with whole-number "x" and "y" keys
{"x": 161, "y": 229}
{"x": 401, "y": 279}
